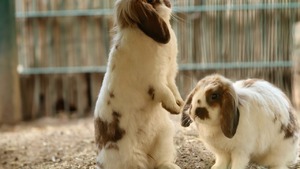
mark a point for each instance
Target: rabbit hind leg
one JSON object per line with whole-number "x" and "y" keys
{"x": 164, "y": 152}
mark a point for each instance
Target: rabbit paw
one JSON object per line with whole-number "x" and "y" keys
{"x": 163, "y": 94}
{"x": 179, "y": 102}
{"x": 172, "y": 108}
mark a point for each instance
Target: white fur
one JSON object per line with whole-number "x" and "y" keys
{"x": 137, "y": 62}
{"x": 259, "y": 138}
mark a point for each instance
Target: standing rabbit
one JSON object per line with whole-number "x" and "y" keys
{"x": 249, "y": 120}
{"x": 132, "y": 125}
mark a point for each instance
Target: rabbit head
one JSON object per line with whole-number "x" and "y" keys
{"x": 150, "y": 16}
{"x": 213, "y": 102}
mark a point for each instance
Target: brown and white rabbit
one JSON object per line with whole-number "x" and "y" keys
{"x": 246, "y": 121}
{"x": 132, "y": 125}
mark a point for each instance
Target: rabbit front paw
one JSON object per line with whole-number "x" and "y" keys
{"x": 163, "y": 94}
{"x": 172, "y": 107}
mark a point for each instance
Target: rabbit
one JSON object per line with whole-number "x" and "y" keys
{"x": 244, "y": 121}
{"x": 133, "y": 128}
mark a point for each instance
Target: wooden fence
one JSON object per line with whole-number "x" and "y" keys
{"x": 63, "y": 47}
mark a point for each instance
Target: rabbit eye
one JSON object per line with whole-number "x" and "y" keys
{"x": 150, "y": 1}
{"x": 214, "y": 96}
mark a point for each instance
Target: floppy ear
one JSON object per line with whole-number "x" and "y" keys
{"x": 229, "y": 113}
{"x": 150, "y": 22}
{"x": 185, "y": 118}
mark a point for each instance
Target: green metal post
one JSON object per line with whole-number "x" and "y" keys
{"x": 10, "y": 97}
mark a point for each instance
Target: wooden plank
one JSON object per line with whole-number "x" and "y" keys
{"x": 296, "y": 76}
{"x": 95, "y": 85}
{"x": 27, "y": 92}
{"x": 10, "y": 97}
{"x": 82, "y": 94}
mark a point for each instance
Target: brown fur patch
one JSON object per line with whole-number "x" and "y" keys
{"x": 199, "y": 101}
{"x": 202, "y": 113}
{"x": 117, "y": 44}
{"x": 151, "y": 92}
{"x": 111, "y": 94}
{"x": 116, "y": 114}
{"x": 291, "y": 128}
{"x": 167, "y": 3}
{"x": 214, "y": 102}
{"x": 152, "y": 25}
{"x": 111, "y": 145}
{"x": 249, "y": 82}
{"x": 145, "y": 16}
{"x": 108, "y": 132}
{"x": 155, "y": 3}
{"x": 229, "y": 113}
{"x": 277, "y": 117}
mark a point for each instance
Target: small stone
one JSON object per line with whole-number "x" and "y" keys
{"x": 53, "y": 158}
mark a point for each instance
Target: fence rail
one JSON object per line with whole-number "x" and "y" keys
{"x": 186, "y": 9}
{"x": 182, "y": 67}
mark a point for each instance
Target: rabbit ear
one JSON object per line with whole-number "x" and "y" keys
{"x": 151, "y": 23}
{"x": 229, "y": 113}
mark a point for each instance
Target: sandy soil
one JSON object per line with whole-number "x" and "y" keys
{"x": 64, "y": 143}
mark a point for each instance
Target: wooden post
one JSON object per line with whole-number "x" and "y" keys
{"x": 10, "y": 100}
{"x": 296, "y": 85}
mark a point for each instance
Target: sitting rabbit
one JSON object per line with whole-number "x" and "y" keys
{"x": 249, "y": 120}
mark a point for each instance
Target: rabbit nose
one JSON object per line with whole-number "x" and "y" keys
{"x": 202, "y": 113}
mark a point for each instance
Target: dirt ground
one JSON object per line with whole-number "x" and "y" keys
{"x": 64, "y": 143}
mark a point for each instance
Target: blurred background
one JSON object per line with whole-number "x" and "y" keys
{"x": 53, "y": 53}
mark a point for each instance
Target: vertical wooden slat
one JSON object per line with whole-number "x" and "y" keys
{"x": 82, "y": 97}
{"x": 10, "y": 98}
{"x": 36, "y": 101}
{"x": 27, "y": 96}
{"x": 296, "y": 79}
